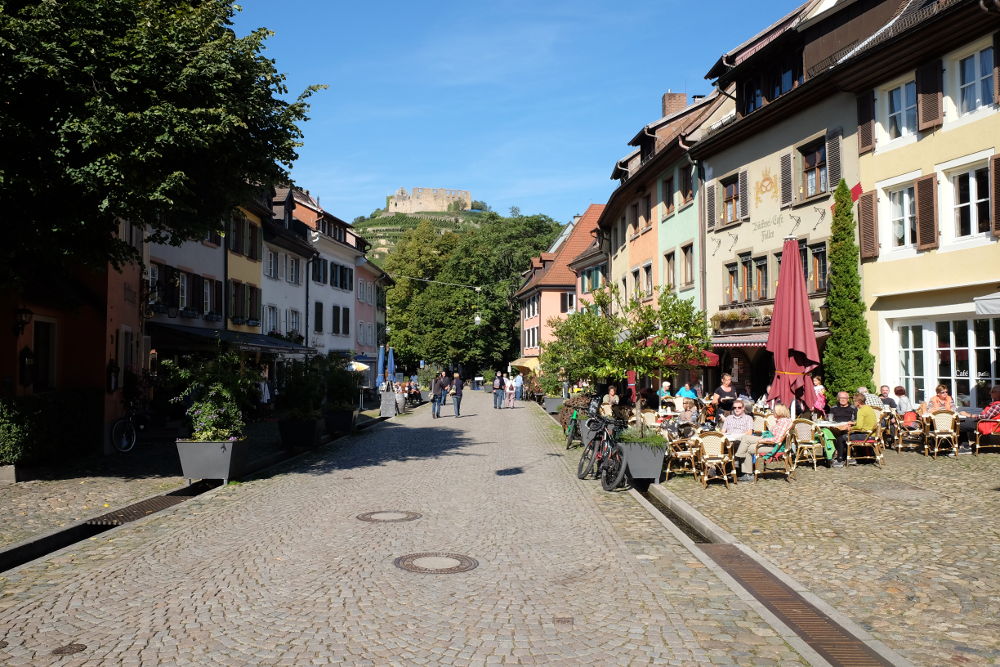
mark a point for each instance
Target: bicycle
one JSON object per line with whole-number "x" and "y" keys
{"x": 572, "y": 430}
{"x": 125, "y": 429}
{"x": 601, "y": 451}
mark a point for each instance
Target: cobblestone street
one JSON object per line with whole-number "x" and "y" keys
{"x": 280, "y": 571}
{"x": 911, "y": 552}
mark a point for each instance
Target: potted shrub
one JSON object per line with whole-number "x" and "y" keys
{"x": 552, "y": 386}
{"x": 297, "y": 400}
{"x": 644, "y": 453}
{"x": 340, "y": 412}
{"x": 19, "y": 436}
{"x": 488, "y": 376}
{"x": 216, "y": 390}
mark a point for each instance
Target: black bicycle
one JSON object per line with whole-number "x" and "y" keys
{"x": 125, "y": 430}
{"x": 602, "y": 456}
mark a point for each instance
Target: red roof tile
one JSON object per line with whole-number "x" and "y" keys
{"x": 551, "y": 269}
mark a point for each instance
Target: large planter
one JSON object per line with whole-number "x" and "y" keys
{"x": 642, "y": 460}
{"x": 12, "y": 473}
{"x": 553, "y": 405}
{"x": 296, "y": 433}
{"x": 340, "y": 421}
{"x": 223, "y": 460}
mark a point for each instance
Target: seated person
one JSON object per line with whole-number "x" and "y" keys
{"x": 903, "y": 403}
{"x": 738, "y": 424}
{"x": 842, "y": 413}
{"x": 887, "y": 400}
{"x": 663, "y": 391}
{"x": 689, "y": 413}
{"x": 748, "y": 443}
{"x": 941, "y": 400}
{"x": 874, "y": 400}
{"x": 686, "y": 391}
{"x": 864, "y": 423}
{"x": 609, "y": 401}
{"x": 991, "y": 411}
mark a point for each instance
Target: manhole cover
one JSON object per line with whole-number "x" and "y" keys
{"x": 436, "y": 562}
{"x": 389, "y": 516}
{"x": 69, "y": 649}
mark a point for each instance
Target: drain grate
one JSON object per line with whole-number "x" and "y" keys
{"x": 822, "y": 633}
{"x": 136, "y": 511}
{"x": 436, "y": 562}
{"x": 563, "y": 620}
{"x": 388, "y": 516}
{"x": 69, "y": 649}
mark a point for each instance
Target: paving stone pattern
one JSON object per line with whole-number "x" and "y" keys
{"x": 911, "y": 551}
{"x": 279, "y": 570}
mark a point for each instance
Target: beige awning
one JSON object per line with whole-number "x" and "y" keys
{"x": 526, "y": 363}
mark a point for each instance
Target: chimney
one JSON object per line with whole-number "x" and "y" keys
{"x": 673, "y": 102}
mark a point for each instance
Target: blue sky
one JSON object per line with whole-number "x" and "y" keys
{"x": 524, "y": 104}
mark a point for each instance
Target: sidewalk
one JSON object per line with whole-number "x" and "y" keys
{"x": 911, "y": 551}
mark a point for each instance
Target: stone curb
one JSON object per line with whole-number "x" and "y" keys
{"x": 714, "y": 533}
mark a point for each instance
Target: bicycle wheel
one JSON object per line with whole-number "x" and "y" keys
{"x": 613, "y": 470}
{"x": 587, "y": 456}
{"x": 123, "y": 434}
{"x": 571, "y": 431}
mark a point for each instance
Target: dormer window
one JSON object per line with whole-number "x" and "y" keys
{"x": 753, "y": 96}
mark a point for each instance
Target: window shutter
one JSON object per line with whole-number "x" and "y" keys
{"x": 345, "y": 325}
{"x": 786, "y": 179}
{"x": 318, "y": 307}
{"x": 866, "y": 123}
{"x": 198, "y": 295}
{"x": 217, "y": 306}
{"x": 335, "y": 320}
{"x": 710, "y": 206}
{"x": 996, "y": 75}
{"x": 288, "y": 317}
{"x": 833, "y": 158}
{"x": 232, "y": 299}
{"x": 930, "y": 113}
{"x": 926, "y": 204}
{"x": 995, "y": 189}
{"x": 258, "y": 251}
{"x": 868, "y": 225}
{"x": 744, "y": 195}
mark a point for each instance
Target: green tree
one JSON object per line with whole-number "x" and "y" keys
{"x": 847, "y": 362}
{"x": 480, "y": 205}
{"x": 153, "y": 112}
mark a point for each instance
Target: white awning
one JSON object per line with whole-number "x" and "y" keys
{"x": 988, "y": 305}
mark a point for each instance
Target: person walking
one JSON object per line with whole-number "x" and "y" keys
{"x": 457, "y": 384}
{"x": 509, "y": 391}
{"x": 438, "y": 389}
{"x": 498, "y": 387}
{"x": 519, "y": 387}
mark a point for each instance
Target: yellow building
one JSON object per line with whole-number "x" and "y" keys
{"x": 244, "y": 249}
{"x": 929, "y": 217}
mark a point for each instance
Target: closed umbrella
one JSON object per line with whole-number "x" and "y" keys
{"x": 380, "y": 366}
{"x": 792, "y": 339}
{"x": 391, "y": 366}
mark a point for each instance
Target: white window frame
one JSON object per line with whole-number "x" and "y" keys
{"x": 271, "y": 267}
{"x": 981, "y": 91}
{"x": 271, "y": 318}
{"x": 294, "y": 321}
{"x": 182, "y": 285}
{"x": 293, "y": 270}
{"x": 207, "y": 285}
{"x": 953, "y": 116}
{"x": 885, "y": 112}
{"x": 949, "y": 241}
{"x": 904, "y": 197}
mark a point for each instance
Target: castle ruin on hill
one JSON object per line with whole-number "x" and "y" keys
{"x": 426, "y": 199}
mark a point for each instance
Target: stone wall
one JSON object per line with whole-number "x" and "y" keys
{"x": 426, "y": 199}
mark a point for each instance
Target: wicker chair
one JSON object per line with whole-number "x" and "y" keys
{"x": 987, "y": 428}
{"x": 911, "y": 431}
{"x": 868, "y": 448}
{"x": 807, "y": 442}
{"x": 682, "y": 456}
{"x": 942, "y": 433}
{"x": 715, "y": 458}
{"x": 784, "y": 463}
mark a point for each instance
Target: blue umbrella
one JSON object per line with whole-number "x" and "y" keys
{"x": 391, "y": 365}
{"x": 380, "y": 366}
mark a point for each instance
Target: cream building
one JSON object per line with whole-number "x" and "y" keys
{"x": 930, "y": 218}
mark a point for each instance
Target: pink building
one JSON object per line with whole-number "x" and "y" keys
{"x": 550, "y": 286}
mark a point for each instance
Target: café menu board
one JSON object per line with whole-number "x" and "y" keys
{"x": 388, "y": 406}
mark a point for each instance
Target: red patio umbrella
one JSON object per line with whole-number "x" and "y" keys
{"x": 792, "y": 339}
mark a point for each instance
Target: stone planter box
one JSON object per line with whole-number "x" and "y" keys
{"x": 223, "y": 460}
{"x": 553, "y": 405}
{"x": 643, "y": 461}
{"x": 12, "y": 473}
{"x": 340, "y": 421}
{"x": 296, "y": 433}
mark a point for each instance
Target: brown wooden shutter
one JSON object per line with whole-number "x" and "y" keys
{"x": 786, "y": 180}
{"x": 833, "y": 158}
{"x": 744, "y": 195}
{"x": 710, "y": 206}
{"x": 995, "y": 193}
{"x": 930, "y": 112}
{"x": 926, "y": 205}
{"x": 232, "y": 299}
{"x": 866, "y": 123}
{"x": 996, "y": 69}
{"x": 868, "y": 225}
{"x": 217, "y": 289}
